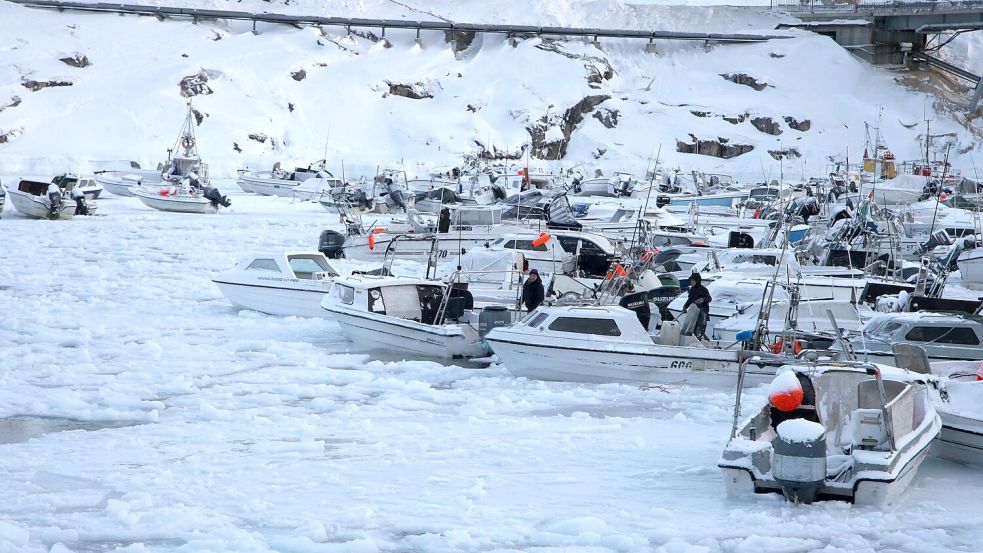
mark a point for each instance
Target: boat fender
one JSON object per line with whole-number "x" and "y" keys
{"x": 785, "y": 392}
{"x": 542, "y": 239}
{"x": 371, "y": 241}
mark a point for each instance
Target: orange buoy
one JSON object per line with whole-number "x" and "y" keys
{"x": 542, "y": 239}
{"x": 371, "y": 241}
{"x": 785, "y": 392}
{"x": 797, "y": 347}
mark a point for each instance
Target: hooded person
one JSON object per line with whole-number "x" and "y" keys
{"x": 444, "y": 220}
{"x": 533, "y": 292}
{"x": 699, "y": 296}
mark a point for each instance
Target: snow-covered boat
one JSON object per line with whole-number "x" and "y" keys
{"x": 943, "y": 336}
{"x": 854, "y": 432}
{"x": 314, "y": 188}
{"x": 292, "y": 283}
{"x": 277, "y": 182}
{"x": 3, "y": 198}
{"x": 610, "y": 344}
{"x": 411, "y": 316}
{"x": 960, "y": 406}
{"x": 31, "y": 198}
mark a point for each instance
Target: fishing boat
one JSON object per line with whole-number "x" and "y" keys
{"x": 943, "y": 336}
{"x": 609, "y": 343}
{"x": 277, "y": 182}
{"x": 287, "y": 284}
{"x": 31, "y": 198}
{"x": 412, "y": 316}
{"x": 122, "y": 181}
{"x": 850, "y": 431}
{"x": 960, "y": 406}
{"x": 184, "y": 186}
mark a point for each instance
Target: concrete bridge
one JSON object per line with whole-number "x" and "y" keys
{"x": 894, "y": 33}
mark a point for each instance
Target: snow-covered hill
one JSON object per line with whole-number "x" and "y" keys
{"x": 289, "y": 94}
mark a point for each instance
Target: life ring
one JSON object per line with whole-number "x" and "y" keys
{"x": 187, "y": 142}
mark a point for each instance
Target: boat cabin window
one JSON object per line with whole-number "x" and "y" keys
{"x": 344, "y": 293}
{"x": 537, "y": 319}
{"x": 264, "y": 265}
{"x": 578, "y": 325}
{"x": 303, "y": 267}
{"x": 943, "y": 335}
{"x": 376, "y": 303}
{"x": 524, "y": 245}
{"x": 883, "y": 329}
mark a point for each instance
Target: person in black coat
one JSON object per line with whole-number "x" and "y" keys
{"x": 444, "y": 220}
{"x": 699, "y": 296}
{"x": 532, "y": 291}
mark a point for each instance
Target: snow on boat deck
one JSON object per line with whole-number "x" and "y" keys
{"x": 247, "y": 432}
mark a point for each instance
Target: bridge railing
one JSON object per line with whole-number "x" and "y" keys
{"x": 875, "y": 6}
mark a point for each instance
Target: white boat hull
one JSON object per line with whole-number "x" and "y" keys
{"x": 123, "y": 184}
{"x": 632, "y": 365}
{"x": 176, "y": 204}
{"x": 961, "y": 439}
{"x": 301, "y": 301}
{"x": 971, "y": 267}
{"x": 409, "y": 337}
{"x": 267, "y": 186}
{"x": 38, "y": 207}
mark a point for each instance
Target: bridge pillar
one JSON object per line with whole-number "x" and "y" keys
{"x": 418, "y": 41}
{"x": 650, "y": 48}
{"x": 975, "y": 102}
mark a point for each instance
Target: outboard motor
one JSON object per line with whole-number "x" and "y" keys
{"x": 800, "y": 459}
{"x": 639, "y": 303}
{"x": 492, "y": 316}
{"x": 331, "y": 244}
{"x": 212, "y": 194}
{"x": 54, "y": 203}
{"x": 396, "y": 200}
{"x": 498, "y": 193}
{"x": 662, "y": 297}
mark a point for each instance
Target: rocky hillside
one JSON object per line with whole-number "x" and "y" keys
{"x": 78, "y": 89}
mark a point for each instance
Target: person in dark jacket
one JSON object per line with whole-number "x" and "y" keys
{"x": 444, "y": 220}
{"x": 532, "y": 291}
{"x": 699, "y": 296}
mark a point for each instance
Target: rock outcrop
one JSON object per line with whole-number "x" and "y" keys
{"x": 719, "y": 147}
{"x": 547, "y": 144}
{"x": 746, "y": 80}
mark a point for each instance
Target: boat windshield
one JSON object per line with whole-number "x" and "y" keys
{"x": 883, "y": 329}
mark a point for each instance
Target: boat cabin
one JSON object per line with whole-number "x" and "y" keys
{"x": 307, "y": 266}
{"x": 404, "y": 298}
{"x": 953, "y": 336}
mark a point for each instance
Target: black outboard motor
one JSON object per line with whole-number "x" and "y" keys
{"x": 498, "y": 193}
{"x": 54, "y": 203}
{"x": 639, "y": 303}
{"x": 331, "y": 244}
{"x": 662, "y": 297}
{"x": 216, "y": 197}
{"x": 397, "y": 200}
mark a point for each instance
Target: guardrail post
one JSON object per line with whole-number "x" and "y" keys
{"x": 650, "y": 47}
{"x": 419, "y": 41}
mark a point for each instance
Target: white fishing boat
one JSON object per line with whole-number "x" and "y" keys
{"x": 288, "y": 284}
{"x": 943, "y": 336}
{"x": 175, "y": 199}
{"x": 121, "y": 180}
{"x": 314, "y": 188}
{"x": 960, "y": 405}
{"x": 3, "y": 198}
{"x": 184, "y": 186}
{"x": 31, "y": 198}
{"x": 411, "y": 316}
{"x": 277, "y": 182}
{"x": 609, "y": 343}
{"x": 855, "y": 432}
